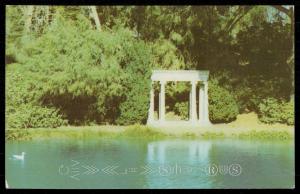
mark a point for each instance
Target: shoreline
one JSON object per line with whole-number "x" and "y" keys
{"x": 223, "y": 131}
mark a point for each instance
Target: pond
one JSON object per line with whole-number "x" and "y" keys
{"x": 136, "y": 163}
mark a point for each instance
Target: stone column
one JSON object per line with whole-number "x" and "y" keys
{"x": 151, "y": 107}
{"x": 201, "y": 103}
{"x": 193, "y": 102}
{"x": 162, "y": 101}
{"x": 190, "y": 104}
{"x": 206, "y": 113}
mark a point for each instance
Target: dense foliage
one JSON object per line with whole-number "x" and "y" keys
{"x": 134, "y": 109}
{"x": 222, "y": 105}
{"x": 182, "y": 109}
{"x": 22, "y": 107}
{"x": 29, "y": 116}
{"x": 272, "y": 110}
{"x": 63, "y": 68}
{"x": 90, "y": 77}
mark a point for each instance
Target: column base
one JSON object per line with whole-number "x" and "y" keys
{"x": 149, "y": 121}
{"x": 177, "y": 124}
{"x": 205, "y": 122}
{"x": 193, "y": 121}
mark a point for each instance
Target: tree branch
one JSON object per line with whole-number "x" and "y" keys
{"x": 237, "y": 13}
{"x": 238, "y": 19}
{"x": 284, "y": 10}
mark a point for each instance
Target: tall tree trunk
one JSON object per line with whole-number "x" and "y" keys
{"x": 47, "y": 13}
{"x": 28, "y": 18}
{"x": 94, "y": 15}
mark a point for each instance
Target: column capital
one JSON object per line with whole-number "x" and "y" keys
{"x": 202, "y": 84}
{"x": 162, "y": 82}
{"x": 194, "y": 82}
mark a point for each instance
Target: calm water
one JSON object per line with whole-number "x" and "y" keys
{"x": 133, "y": 163}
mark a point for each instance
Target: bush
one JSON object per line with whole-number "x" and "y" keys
{"x": 250, "y": 89}
{"x": 31, "y": 116}
{"x": 269, "y": 111}
{"x": 134, "y": 109}
{"x": 222, "y": 105}
{"x": 22, "y": 107}
{"x": 272, "y": 110}
{"x": 288, "y": 110}
{"x": 182, "y": 109}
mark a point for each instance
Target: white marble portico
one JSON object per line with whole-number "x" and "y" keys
{"x": 192, "y": 76}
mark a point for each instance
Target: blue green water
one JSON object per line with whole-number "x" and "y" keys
{"x": 134, "y": 163}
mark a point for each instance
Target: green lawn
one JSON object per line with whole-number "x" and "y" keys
{"x": 247, "y": 126}
{"x": 141, "y": 131}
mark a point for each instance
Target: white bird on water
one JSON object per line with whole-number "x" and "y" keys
{"x": 19, "y": 157}
{"x": 6, "y": 184}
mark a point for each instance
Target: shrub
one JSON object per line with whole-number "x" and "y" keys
{"x": 222, "y": 105}
{"x": 288, "y": 113}
{"x": 182, "y": 109}
{"x": 31, "y": 116}
{"x": 272, "y": 110}
{"x": 22, "y": 109}
{"x": 252, "y": 91}
{"x": 269, "y": 111}
{"x": 134, "y": 109}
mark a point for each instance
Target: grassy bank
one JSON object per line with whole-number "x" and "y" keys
{"x": 84, "y": 132}
{"x": 140, "y": 131}
{"x": 246, "y": 126}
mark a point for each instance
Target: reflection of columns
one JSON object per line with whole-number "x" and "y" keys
{"x": 150, "y": 152}
{"x": 161, "y": 152}
{"x": 193, "y": 102}
{"x": 192, "y": 149}
{"x": 162, "y": 101}
{"x": 199, "y": 152}
{"x": 151, "y": 107}
{"x": 201, "y": 103}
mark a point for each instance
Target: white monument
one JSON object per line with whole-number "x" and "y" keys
{"x": 192, "y": 76}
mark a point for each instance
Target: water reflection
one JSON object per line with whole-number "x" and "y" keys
{"x": 159, "y": 164}
{"x": 190, "y": 151}
{"x": 182, "y": 161}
